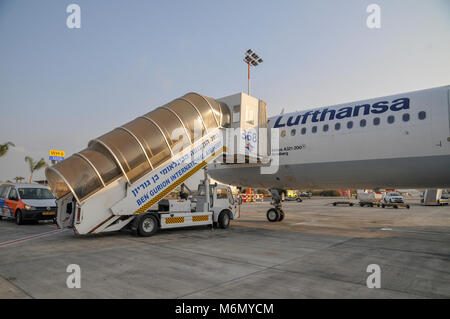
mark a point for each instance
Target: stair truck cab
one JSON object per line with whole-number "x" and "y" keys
{"x": 217, "y": 209}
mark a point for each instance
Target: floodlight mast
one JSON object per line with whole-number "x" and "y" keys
{"x": 253, "y": 59}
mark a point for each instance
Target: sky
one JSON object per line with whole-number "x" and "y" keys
{"x": 61, "y": 87}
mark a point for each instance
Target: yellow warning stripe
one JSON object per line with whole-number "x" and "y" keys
{"x": 180, "y": 181}
{"x": 202, "y": 218}
{"x": 174, "y": 220}
{"x": 101, "y": 224}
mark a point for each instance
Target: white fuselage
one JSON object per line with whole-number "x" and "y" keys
{"x": 396, "y": 141}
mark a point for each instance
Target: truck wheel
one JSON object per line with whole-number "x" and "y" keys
{"x": 395, "y": 206}
{"x": 351, "y": 204}
{"x": 299, "y": 200}
{"x": 224, "y": 220}
{"x": 147, "y": 225}
{"x": 407, "y": 206}
{"x": 19, "y": 218}
{"x": 273, "y": 215}
{"x": 281, "y": 216}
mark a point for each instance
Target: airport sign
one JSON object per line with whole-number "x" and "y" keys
{"x": 56, "y": 155}
{"x": 56, "y": 158}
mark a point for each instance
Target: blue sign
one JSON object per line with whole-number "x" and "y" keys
{"x": 56, "y": 158}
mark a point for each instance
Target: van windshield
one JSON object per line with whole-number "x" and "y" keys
{"x": 35, "y": 193}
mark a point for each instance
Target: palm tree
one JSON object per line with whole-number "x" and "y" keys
{"x": 18, "y": 179}
{"x": 35, "y": 166}
{"x": 4, "y": 148}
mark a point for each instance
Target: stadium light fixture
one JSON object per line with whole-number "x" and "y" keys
{"x": 251, "y": 58}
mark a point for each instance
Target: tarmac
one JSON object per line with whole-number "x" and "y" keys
{"x": 317, "y": 251}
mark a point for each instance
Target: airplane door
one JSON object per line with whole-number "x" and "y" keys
{"x": 440, "y": 117}
{"x": 448, "y": 114}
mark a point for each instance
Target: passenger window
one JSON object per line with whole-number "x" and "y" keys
{"x": 250, "y": 117}
{"x": 362, "y": 123}
{"x": 222, "y": 193}
{"x": 293, "y": 131}
{"x": 325, "y": 128}
{"x": 303, "y": 130}
{"x": 391, "y": 119}
{"x": 376, "y": 121}
{"x": 405, "y": 117}
{"x": 2, "y": 191}
{"x": 230, "y": 197}
{"x": 283, "y": 133}
{"x": 350, "y": 124}
{"x": 236, "y": 113}
{"x": 314, "y": 129}
{"x": 5, "y": 193}
{"x": 337, "y": 126}
{"x": 13, "y": 195}
{"x": 422, "y": 115}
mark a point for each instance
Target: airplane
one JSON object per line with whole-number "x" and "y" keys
{"x": 397, "y": 141}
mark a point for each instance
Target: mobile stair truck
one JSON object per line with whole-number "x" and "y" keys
{"x": 121, "y": 175}
{"x": 435, "y": 197}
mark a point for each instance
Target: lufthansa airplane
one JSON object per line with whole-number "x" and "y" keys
{"x": 399, "y": 141}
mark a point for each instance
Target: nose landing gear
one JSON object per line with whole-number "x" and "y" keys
{"x": 275, "y": 214}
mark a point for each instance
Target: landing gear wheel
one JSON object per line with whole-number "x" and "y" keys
{"x": 19, "y": 218}
{"x": 281, "y": 216}
{"x": 273, "y": 215}
{"x": 224, "y": 220}
{"x": 147, "y": 225}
